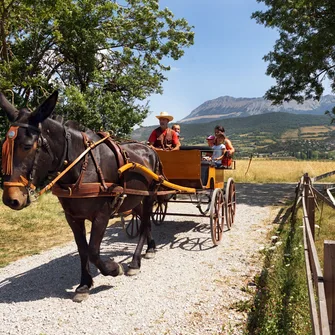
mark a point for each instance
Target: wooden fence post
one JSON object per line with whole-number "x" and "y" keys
{"x": 310, "y": 203}
{"x": 329, "y": 281}
{"x": 295, "y": 204}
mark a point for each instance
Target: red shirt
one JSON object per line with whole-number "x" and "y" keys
{"x": 153, "y": 136}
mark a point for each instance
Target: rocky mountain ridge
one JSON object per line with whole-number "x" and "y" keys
{"x": 230, "y": 107}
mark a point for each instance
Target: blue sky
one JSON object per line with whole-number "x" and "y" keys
{"x": 226, "y": 58}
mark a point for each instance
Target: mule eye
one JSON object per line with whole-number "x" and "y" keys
{"x": 27, "y": 147}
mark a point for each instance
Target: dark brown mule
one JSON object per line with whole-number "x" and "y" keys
{"x": 43, "y": 147}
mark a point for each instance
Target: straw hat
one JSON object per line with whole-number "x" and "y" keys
{"x": 164, "y": 115}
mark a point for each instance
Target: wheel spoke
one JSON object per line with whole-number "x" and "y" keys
{"x": 158, "y": 215}
{"x": 132, "y": 227}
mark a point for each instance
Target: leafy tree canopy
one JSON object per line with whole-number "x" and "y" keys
{"x": 105, "y": 56}
{"x": 303, "y": 56}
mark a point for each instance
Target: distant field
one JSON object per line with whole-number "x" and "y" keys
{"x": 279, "y": 171}
{"x": 290, "y": 134}
{"x": 316, "y": 129}
{"x": 315, "y": 132}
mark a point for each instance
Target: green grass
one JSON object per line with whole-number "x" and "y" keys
{"x": 38, "y": 227}
{"x": 280, "y": 305}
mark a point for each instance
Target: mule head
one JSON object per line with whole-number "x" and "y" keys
{"x": 20, "y": 157}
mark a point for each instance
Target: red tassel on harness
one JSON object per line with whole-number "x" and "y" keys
{"x": 8, "y": 151}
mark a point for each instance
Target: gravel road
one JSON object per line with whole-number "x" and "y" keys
{"x": 190, "y": 287}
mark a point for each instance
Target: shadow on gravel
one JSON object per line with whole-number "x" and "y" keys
{"x": 165, "y": 235}
{"x": 48, "y": 280}
{"x": 54, "y": 278}
{"x": 264, "y": 194}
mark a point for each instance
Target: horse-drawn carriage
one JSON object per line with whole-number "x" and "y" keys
{"x": 195, "y": 181}
{"x": 94, "y": 178}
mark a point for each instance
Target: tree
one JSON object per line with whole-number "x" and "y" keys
{"x": 105, "y": 57}
{"x": 303, "y": 56}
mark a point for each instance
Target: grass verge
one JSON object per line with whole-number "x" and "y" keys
{"x": 38, "y": 227}
{"x": 324, "y": 228}
{"x": 280, "y": 305}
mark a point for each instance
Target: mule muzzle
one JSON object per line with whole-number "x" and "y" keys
{"x": 15, "y": 197}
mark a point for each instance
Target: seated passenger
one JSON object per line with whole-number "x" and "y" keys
{"x": 176, "y": 128}
{"x": 210, "y": 142}
{"x": 164, "y": 138}
{"x": 219, "y": 150}
{"x": 227, "y": 159}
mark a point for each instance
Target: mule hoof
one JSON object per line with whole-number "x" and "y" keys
{"x": 118, "y": 271}
{"x": 132, "y": 272}
{"x": 121, "y": 272}
{"x": 150, "y": 255}
{"x": 82, "y": 293}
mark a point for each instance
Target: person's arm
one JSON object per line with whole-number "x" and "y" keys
{"x": 232, "y": 150}
{"x": 175, "y": 141}
{"x": 152, "y": 140}
{"x": 177, "y": 147}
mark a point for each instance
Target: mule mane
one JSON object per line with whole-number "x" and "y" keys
{"x": 75, "y": 125}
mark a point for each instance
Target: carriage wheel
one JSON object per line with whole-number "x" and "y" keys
{"x": 159, "y": 211}
{"x": 131, "y": 226}
{"x": 204, "y": 203}
{"x": 230, "y": 197}
{"x": 216, "y": 214}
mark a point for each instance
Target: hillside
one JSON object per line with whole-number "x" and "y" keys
{"x": 230, "y": 107}
{"x": 267, "y": 134}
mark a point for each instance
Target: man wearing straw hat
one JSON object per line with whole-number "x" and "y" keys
{"x": 164, "y": 138}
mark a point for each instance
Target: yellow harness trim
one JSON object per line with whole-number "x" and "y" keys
{"x": 153, "y": 175}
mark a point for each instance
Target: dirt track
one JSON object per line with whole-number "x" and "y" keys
{"x": 190, "y": 287}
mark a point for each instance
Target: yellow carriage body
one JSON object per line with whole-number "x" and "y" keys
{"x": 186, "y": 168}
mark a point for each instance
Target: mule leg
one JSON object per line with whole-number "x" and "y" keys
{"x": 107, "y": 267}
{"x": 145, "y": 235}
{"x": 86, "y": 281}
{"x": 151, "y": 250}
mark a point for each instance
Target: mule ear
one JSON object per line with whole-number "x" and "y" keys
{"x": 11, "y": 111}
{"x": 44, "y": 110}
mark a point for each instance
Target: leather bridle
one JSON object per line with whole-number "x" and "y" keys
{"x": 42, "y": 142}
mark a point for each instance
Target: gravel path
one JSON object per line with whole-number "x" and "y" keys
{"x": 190, "y": 287}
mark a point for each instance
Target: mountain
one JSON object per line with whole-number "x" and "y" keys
{"x": 229, "y": 107}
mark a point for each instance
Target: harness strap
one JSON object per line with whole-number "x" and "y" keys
{"x": 65, "y": 153}
{"x": 29, "y": 126}
{"x": 83, "y": 168}
{"x": 97, "y": 166}
{"x": 120, "y": 155}
{"x": 87, "y": 190}
{"x": 23, "y": 183}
